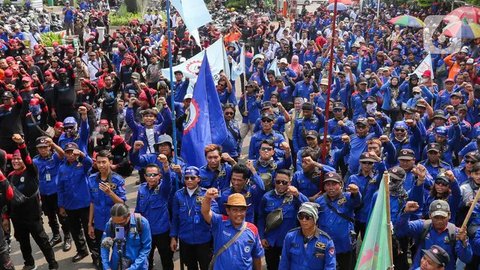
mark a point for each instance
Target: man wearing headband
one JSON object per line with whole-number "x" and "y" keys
{"x": 308, "y": 247}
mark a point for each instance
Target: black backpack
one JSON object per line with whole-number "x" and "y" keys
{"x": 138, "y": 225}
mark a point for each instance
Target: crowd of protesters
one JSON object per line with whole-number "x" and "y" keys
{"x": 76, "y": 121}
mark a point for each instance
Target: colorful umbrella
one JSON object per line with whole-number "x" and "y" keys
{"x": 346, "y": 2}
{"x": 340, "y": 7}
{"x": 407, "y": 20}
{"x": 470, "y": 13}
{"x": 462, "y": 29}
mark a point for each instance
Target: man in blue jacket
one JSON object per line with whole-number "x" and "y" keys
{"x": 188, "y": 225}
{"x": 135, "y": 241}
{"x": 74, "y": 199}
{"x": 152, "y": 203}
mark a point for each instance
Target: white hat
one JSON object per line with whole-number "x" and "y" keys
{"x": 469, "y": 61}
{"x": 189, "y": 95}
{"x": 464, "y": 49}
{"x": 283, "y": 61}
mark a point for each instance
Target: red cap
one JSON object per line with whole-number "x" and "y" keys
{"x": 16, "y": 153}
{"x": 26, "y": 79}
{"x": 48, "y": 73}
{"x": 10, "y": 59}
{"x": 34, "y": 101}
{"x": 142, "y": 96}
{"x": 58, "y": 125}
{"x": 70, "y": 51}
{"x": 8, "y": 73}
{"x": 117, "y": 140}
{"x": 427, "y": 73}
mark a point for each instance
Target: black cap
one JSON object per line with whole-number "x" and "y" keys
{"x": 366, "y": 157}
{"x": 266, "y": 105}
{"x": 333, "y": 176}
{"x": 267, "y": 116}
{"x": 71, "y": 146}
{"x": 433, "y": 147}
{"x": 311, "y": 134}
{"x": 397, "y": 173}
{"x": 406, "y": 154}
{"x": 439, "y": 114}
{"x": 471, "y": 156}
{"x": 307, "y": 106}
{"x": 437, "y": 254}
{"x": 371, "y": 99}
{"x": 442, "y": 179}
{"x": 7, "y": 94}
{"x": 338, "y": 105}
{"x": 410, "y": 110}
{"x": 361, "y": 121}
{"x": 41, "y": 141}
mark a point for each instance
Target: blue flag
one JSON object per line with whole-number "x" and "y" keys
{"x": 205, "y": 123}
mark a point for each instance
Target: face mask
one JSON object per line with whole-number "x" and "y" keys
{"x": 424, "y": 80}
{"x": 114, "y": 50}
{"x": 367, "y": 76}
{"x": 417, "y": 96}
{"x": 371, "y": 108}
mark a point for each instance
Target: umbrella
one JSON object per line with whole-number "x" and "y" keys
{"x": 462, "y": 29}
{"x": 470, "y": 13}
{"x": 346, "y": 2}
{"x": 407, "y": 20}
{"x": 340, "y": 7}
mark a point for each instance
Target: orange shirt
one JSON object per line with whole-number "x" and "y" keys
{"x": 453, "y": 67}
{"x": 232, "y": 37}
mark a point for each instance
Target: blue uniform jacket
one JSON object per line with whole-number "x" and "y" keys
{"x": 303, "y": 89}
{"x": 81, "y": 140}
{"x": 436, "y": 170}
{"x": 336, "y": 131}
{"x": 305, "y": 184}
{"x": 318, "y": 254}
{"x": 453, "y": 200}
{"x": 405, "y": 227}
{"x": 180, "y": 89}
{"x": 72, "y": 187}
{"x": 47, "y": 173}
{"x": 233, "y": 143}
{"x": 253, "y": 108}
{"x": 301, "y": 127}
{"x": 333, "y": 224}
{"x": 358, "y": 145}
{"x": 367, "y": 185}
{"x": 101, "y": 201}
{"x": 256, "y": 142}
{"x": 188, "y": 223}
{"x": 137, "y": 246}
{"x": 139, "y": 131}
{"x": 152, "y": 203}
{"x": 240, "y": 254}
{"x": 219, "y": 179}
{"x": 290, "y": 205}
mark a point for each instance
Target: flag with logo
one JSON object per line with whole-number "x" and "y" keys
{"x": 375, "y": 252}
{"x": 425, "y": 65}
{"x": 205, "y": 123}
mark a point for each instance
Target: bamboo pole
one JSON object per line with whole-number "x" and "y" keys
{"x": 386, "y": 181}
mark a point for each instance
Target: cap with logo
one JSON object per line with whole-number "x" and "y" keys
{"x": 433, "y": 147}
{"x": 438, "y": 255}
{"x": 397, "y": 173}
{"x": 406, "y": 154}
{"x": 71, "y": 146}
{"x": 361, "y": 121}
{"x": 442, "y": 131}
{"x": 69, "y": 121}
{"x": 442, "y": 179}
{"x": 41, "y": 141}
{"x": 192, "y": 171}
{"x": 439, "y": 208}
{"x": 311, "y": 134}
{"x": 7, "y": 94}
{"x": 333, "y": 176}
{"x": 338, "y": 105}
{"x": 439, "y": 114}
{"x": 268, "y": 116}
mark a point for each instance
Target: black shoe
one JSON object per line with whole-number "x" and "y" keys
{"x": 53, "y": 266}
{"x": 79, "y": 256}
{"x": 56, "y": 239}
{"x": 97, "y": 264}
{"x": 67, "y": 244}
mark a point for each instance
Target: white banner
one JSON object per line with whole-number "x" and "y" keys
{"x": 426, "y": 64}
{"x": 216, "y": 57}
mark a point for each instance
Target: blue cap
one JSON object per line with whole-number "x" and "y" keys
{"x": 442, "y": 131}
{"x": 192, "y": 171}
{"x": 69, "y": 121}
{"x": 400, "y": 124}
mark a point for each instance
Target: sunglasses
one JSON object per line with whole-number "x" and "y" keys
{"x": 442, "y": 184}
{"x": 68, "y": 128}
{"x": 229, "y": 113}
{"x": 281, "y": 182}
{"x": 267, "y": 120}
{"x": 190, "y": 178}
{"x": 304, "y": 216}
{"x": 221, "y": 85}
{"x": 152, "y": 175}
{"x": 337, "y": 110}
{"x": 400, "y": 129}
{"x": 470, "y": 161}
{"x": 265, "y": 149}
{"x": 367, "y": 162}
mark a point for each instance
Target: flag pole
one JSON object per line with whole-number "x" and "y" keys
{"x": 172, "y": 94}
{"x": 386, "y": 181}
{"x": 330, "y": 71}
{"x": 472, "y": 206}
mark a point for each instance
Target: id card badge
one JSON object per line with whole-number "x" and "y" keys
{"x": 196, "y": 219}
{"x": 48, "y": 177}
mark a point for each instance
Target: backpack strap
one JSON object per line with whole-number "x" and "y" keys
{"x": 452, "y": 234}
{"x": 138, "y": 221}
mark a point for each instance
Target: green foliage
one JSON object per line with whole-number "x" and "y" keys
{"x": 7, "y": 3}
{"x": 49, "y": 38}
{"x": 237, "y": 4}
{"x": 125, "y": 19}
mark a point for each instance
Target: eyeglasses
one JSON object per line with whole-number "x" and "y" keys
{"x": 265, "y": 120}
{"x": 229, "y": 113}
{"x": 190, "y": 178}
{"x": 304, "y": 216}
{"x": 266, "y": 149}
{"x": 400, "y": 129}
{"x": 281, "y": 182}
{"x": 152, "y": 175}
{"x": 367, "y": 162}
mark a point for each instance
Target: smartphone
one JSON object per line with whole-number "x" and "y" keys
{"x": 119, "y": 233}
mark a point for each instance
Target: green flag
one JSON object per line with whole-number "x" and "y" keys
{"x": 375, "y": 251}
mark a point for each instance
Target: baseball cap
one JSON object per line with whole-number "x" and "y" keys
{"x": 433, "y": 147}
{"x": 442, "y": 131}
{"x": 469, "y": 61}
{"x": 439, "y": 114}
{"x": 437, "y": 254}
{"x": 311, "y": 134}
{"x": 366, "y": 157}
{"x": 187, "y": 96}
{"x": 471, "y": 156}
{"x": 427, "y": 74}
{"x": 333, "y": 176}
{"x": 456, "y": 94}
{"x": 69, "y": 121}
{"x": 361, "y": 121}
{"x": 400, "y": 125}
{"x": 338, "y": 105}
{"x": 324, "y": 82}
{"x": 41, "y": 141}
{"x": 464, "y": 49}
{"x": 267, "y": 116}
{"x": 442, "y": 179}
{"x": 103, "y": 122}
{"x": 7, "y": 94}
{"x": 307, "y": 106}
{"x": 283, "y": 61}
{"x": 118, "y": 140}
{"x": 406, "y": 154}
{"x": 439, "y": 208}
{"x": 192, "y": 171}
{"x": 397, "y": 173}
{"x": 164, "y": 138}
{"x": 266, "y": 105}
{"x": 135, "y": 75}
{"x": 71, "y": 146}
